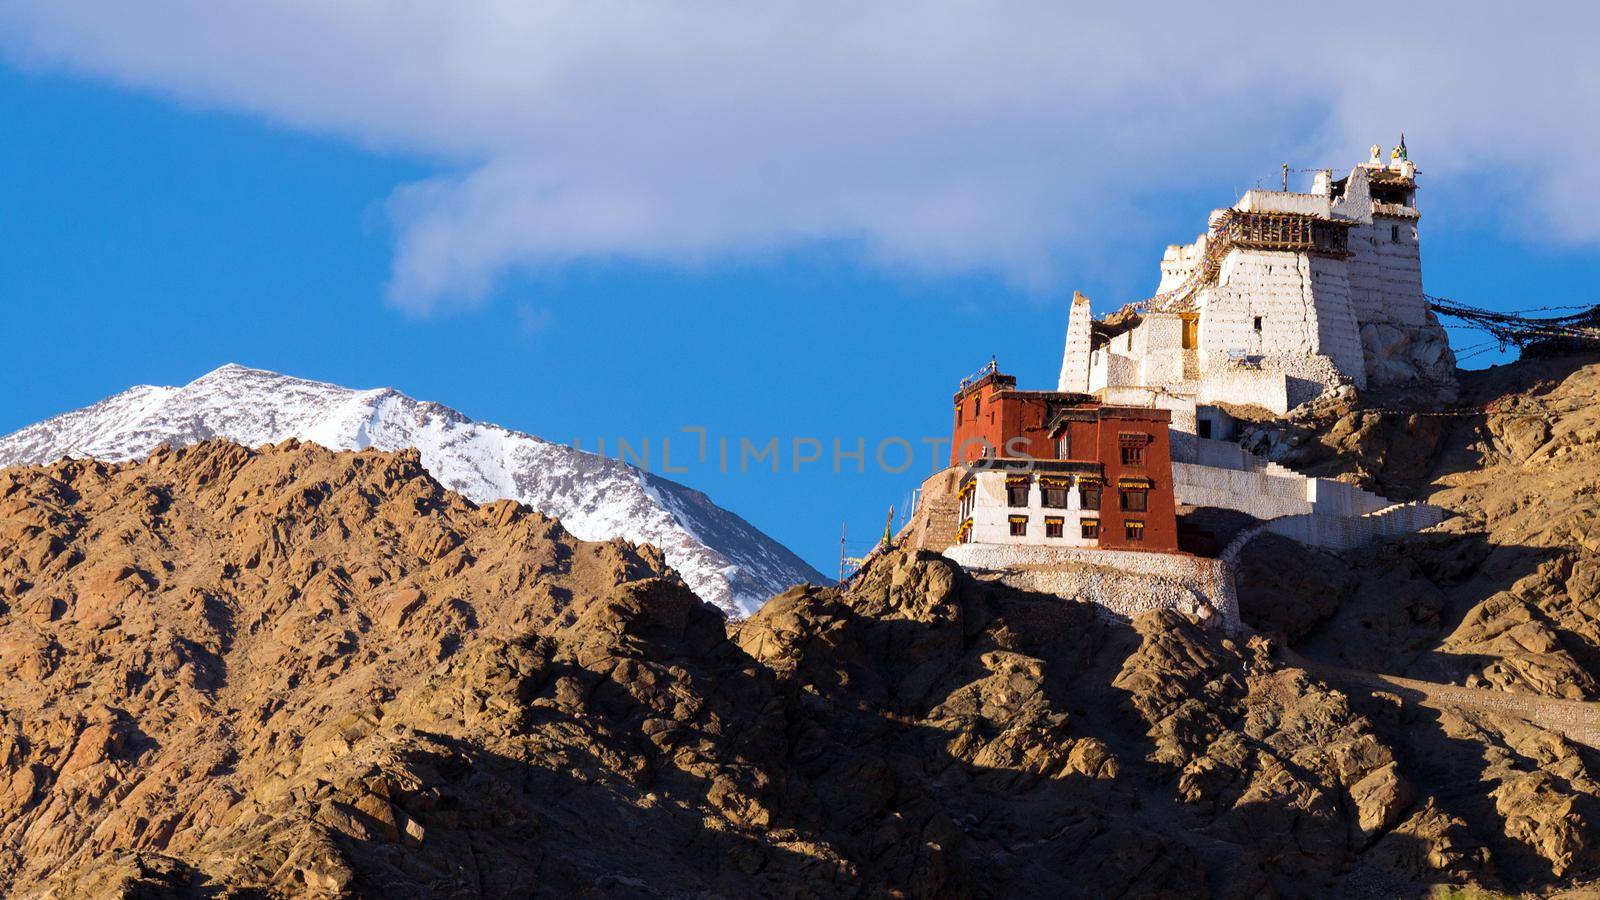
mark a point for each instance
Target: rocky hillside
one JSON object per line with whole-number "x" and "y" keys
{"x": 291, "y": 672}
{"x": 724, "y": 558}
{"x": 173, "y": 631}
{"x": 1506, "y": 593}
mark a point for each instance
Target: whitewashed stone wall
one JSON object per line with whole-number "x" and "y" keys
{"x": 1122, "y": 583}
{"x": 1263, "y": 495}
{"x": 1260, "y": 384}
{"x": 991, "y": 515}
{"x": 1338, "y": 333}
{"x": 1286, "y": 202}
{"x": 1223, "y": 455}
{"x": 1325, "y": 321}
{"x": 1268, "y": 490}
{"x": 1111, "y": 365}
{"x": 1159, "y": 349}
{"x": 1179, "y": 262}
{"x": 1335, "y": 498}
{"x": 1075, "y": 357}
{"x": 1386, "y": 274}
{"x": 1340, "y": 533}
{"x": 1401, "y": 340}
{"x": 1302, "y": 303}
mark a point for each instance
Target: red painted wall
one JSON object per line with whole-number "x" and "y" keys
{"x": 993, "y": 411}
{"x": 1161, "y": 519}
{"x": 1013, "y": 423}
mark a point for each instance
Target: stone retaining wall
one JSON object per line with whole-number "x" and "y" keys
{"x": 1343, "y": 532}
{"x": 1122, "y": 583}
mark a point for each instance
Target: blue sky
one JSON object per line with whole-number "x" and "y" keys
{"x": 153, "y": 232}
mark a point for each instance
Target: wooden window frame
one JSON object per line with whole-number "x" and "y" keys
{"x": 1089, "y": 529}
{"x": 1084, "y": 490}
{"x": 1018, "y": 525}
{"x": 1055, "y": 526}
{"x": 1125, "y": 495}
{"x": 1133, "y": 531}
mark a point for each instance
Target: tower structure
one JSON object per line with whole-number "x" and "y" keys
{"x": 1284, "y": 296}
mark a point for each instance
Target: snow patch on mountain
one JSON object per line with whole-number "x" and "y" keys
{"x": 724, "y": 558}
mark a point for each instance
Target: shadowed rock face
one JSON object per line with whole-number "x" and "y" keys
{"x": 924, "y": 734}
{"x": 1506, "y": 593}
{"x": 1504, "y": 596}
{"x": 300, "y": 673}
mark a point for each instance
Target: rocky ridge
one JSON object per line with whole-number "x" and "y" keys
{"x": 724, "y": 558}
{"x": 169, "y": 630}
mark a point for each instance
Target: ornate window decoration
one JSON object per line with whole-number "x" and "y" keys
{"x": 1017, "y": 490}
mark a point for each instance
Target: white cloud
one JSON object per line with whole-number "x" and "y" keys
{"x": 1018, "y": 138}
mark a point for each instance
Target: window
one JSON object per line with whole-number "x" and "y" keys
{"x": 1203, "y": 427}
{"x": 1055, "y": 496}
{"x": 1258, "y": 324}
{"x": 1019, "y": 526}
{"x": 1191, "y": 334}
{"x": 1064, "y": 445}
{"x": 1089, "y": 496}
{"x": 1394, "y": 233}
{"x": 977, "y": 403}
{"x": 1016, "y": 493}
{"x": 1133, "y": 531}
{"x": 1090, "y": 529}
{"x": 1135, "y": 499}
{"x": 1133, "y": 444}
{"x": 1053, "y": 526}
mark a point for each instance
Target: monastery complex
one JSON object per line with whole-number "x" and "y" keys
{"x": 1124, "y": 486}
{"x": 1284, "y": 296}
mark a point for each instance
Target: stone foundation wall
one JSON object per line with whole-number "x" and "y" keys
{"x": 1122, "y": 583}
{"x": 1255, "y": 492}
{"x": 1339, "y": 533}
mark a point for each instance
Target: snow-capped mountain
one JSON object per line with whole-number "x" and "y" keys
{"x": 724, "y": 558}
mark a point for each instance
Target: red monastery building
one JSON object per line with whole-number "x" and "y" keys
{"x": 1052, "y": 468}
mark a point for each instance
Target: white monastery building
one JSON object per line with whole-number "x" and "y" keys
{"x": 1285, "y": 296}
{"x": 1113, "y": 489}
